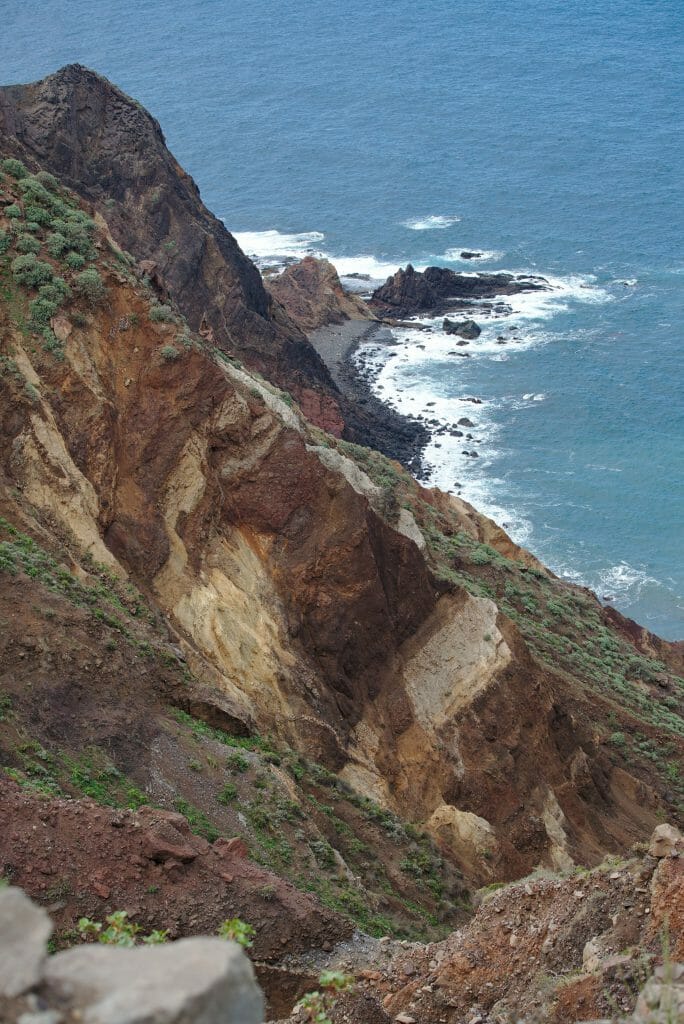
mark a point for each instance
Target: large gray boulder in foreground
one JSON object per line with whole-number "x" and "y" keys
{"x": 193, "y": 981}
{"x": 24, "y": 931}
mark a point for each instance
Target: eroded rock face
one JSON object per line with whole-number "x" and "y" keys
{"x": 113, "y": 153}
{"x": 312, "y": 295}
{"x": 410, "y": 291}
{"x": 300, "y": 591}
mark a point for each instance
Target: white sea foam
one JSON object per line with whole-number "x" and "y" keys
{"x": 404, "y": 375}
{"x": 368, "y": 266}
{"x": 276, "y": 248}
{"x": 623, "y": 580}
{"x": 264, "y": 246}
{"x": 435, "y": 222}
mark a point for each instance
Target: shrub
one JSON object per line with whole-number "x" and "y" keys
{"x": 32, "y": 227}
{"x": 81, "y": 220}
{"x": 52, "y": 343}
{"x": 5, "y": 242}
{"x": 13, "y": 211}
{"x": 89, "y": 285}
{"x": 77, "y": 238}
{"x": 14, "y": 168}
{"x": 38, "y": 214}
{"x": 27, "y": 243}
{"x": 161, "y": 314}
{"x": 170, "y": 354}
{"x": 323, "y": 852}
{"x": 316, "y": 1007}
{"x": 30, "y": 272}
{"x": 228, "y": 793}
{"x": 237, "y": 763}
{"x": 57, "y": 291}
{"x": 74, "y": 260}
{"x": 119, "y": 931}
{"x": 48, "y": 180}
{"x": 56, "y": 244}
{"x": 42, "y": 310}
{"x": 33, "y": 191}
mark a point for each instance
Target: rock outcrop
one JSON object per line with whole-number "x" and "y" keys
{"x": 311, "y": 293}
{"x": 437, "y": 290}
{"x": 154, "y": 211}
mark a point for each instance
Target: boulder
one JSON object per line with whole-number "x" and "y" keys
{"x": 664, "y": 840}
{"x": 464, "y": 328}
{"x": 193, "y": 981}
{"x": 24, "y": 931}
{"x": 168, "y": 836}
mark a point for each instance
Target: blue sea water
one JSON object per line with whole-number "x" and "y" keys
{"x": 547, "y": 135}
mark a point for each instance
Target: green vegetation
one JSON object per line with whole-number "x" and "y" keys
{"x": 299, "y": 839}
{"x": 237, "y": 763}
{"x": 5, "y": 706}
{"x": 74, "y": 260}
{"x": 235, "y": 930}
{"x": 119, "y": 931}
{"x": 15, "y": 168}
{"x": 30, "y": 272}
{"x": 90, "y": 286}
{"x": 27, "y": 243}
{"x": 316, "y": 1007}
{"x": 170, "y": 354}
{"x": 228, "y": 793}
{"x": 161, "y": 314}
{"x": 198, "y": 821}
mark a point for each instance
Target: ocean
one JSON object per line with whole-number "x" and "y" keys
{"x": 546, "y": 136}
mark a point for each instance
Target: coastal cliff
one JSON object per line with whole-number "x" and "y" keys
{"x": 214, "y": 606}
{"x": 112, "y": 153}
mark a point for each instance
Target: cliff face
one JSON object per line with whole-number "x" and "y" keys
{"x": 174, "y": 531}
{"x": 313, "y": 587}
{"x": 110, "y": 151}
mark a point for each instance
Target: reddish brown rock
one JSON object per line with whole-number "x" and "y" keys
{"x": 313, "y": 296}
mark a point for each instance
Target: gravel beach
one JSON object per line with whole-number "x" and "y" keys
{"x": 370, "y": 421}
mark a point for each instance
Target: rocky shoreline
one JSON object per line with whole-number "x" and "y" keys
{"x": 372, "y": 422}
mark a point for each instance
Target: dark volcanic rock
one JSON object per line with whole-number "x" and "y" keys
{"x": 463, "y": 328}
{"x": 111, "y": 152}
{"x": 409, "y": 291}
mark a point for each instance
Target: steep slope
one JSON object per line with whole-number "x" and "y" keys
{"x": 112, "y": 152}
{"x": 310, "y": 585}
{"x": 108, "y": 149}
